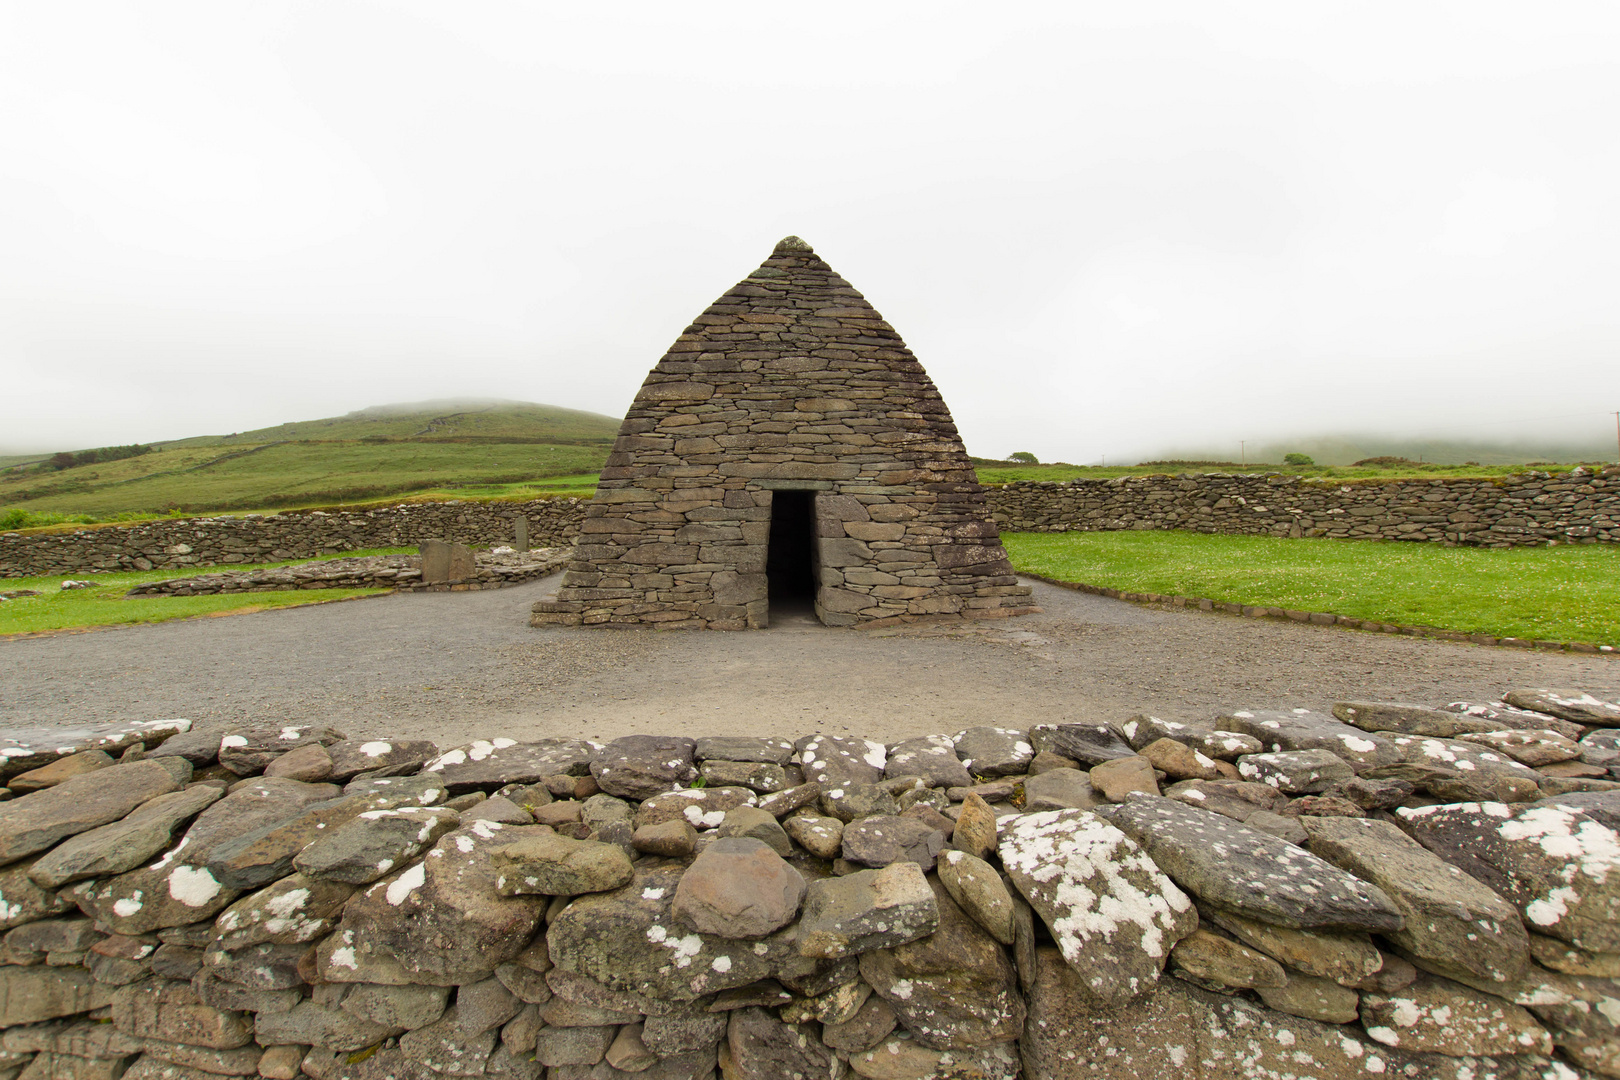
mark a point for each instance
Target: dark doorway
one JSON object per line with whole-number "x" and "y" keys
{"x": 789, "y": 559}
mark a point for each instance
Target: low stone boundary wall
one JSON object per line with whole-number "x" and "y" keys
{"x": 495, "y": 570}
{"x": 1386, "y": 890}
{"x": 1529, "y": 508}
{"x": 290, "y": 535}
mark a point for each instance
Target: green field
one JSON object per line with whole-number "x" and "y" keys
{"x": 104, "y": 603}
{"x": 1566, "y": 593}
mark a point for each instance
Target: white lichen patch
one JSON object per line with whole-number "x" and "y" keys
{"x": 403, "y": 886}
{"x": 1093, "y": 884}
{"x": 192, "y": 886}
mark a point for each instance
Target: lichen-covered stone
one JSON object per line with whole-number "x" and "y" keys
{"x": 1113, "y": 914}
{"x": 1440, "y": 1017}
{"x": 1559, "y": 867}
{"x": 497, "y": 762}
{"x": 374, "y": 842}
{"x": 630, "y": 940}
{"x": 1226, "y": 863}
{"x": 641, "y": 766}
{"x": 442, "y": 920}
{"x": 245, "y": 751}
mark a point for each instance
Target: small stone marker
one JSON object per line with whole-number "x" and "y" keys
{"x": 520, "y": 532}
{"x": 444, "y": 562}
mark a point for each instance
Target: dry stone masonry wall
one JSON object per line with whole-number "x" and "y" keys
{"x": 1382, "y": 890}
{"x": 1528, "y": 508}
{"x": 222, "y": 541}
{"x": 788, "y": 391}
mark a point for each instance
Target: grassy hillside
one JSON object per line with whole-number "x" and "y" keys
{"x": 461, "y": 420}
{"x": 445, "y": 448}
{"x": 1346, "y": 449}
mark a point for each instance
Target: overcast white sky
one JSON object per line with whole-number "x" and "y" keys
{"x": 1105, "y": 228}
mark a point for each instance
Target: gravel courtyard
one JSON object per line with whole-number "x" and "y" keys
{"x": 457, "y": 666}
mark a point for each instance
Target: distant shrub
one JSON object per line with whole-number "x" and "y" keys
{"x": 66, "y": 460}
{"x": 1024, "y": 457}
{"x": 1298, "y": 459}
{"x": 1386, "y": 460}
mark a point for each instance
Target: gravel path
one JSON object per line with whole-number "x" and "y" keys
{"x": 457, "y": 666}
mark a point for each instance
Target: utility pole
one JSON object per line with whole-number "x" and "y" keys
{"x": 1617, "y": 431}
{"x": 1243, "y": 451}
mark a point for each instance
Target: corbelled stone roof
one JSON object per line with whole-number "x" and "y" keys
{"x": 790, "y": 380}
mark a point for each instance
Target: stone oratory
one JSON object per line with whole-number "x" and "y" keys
{"x": 787, "y": 453}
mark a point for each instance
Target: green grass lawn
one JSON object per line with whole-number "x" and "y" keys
{"x": 1566, "y": 593}
{"x": 104, "y": 603}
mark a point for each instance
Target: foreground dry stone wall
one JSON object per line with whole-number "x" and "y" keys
{"x": 1526, "y": 508}
{"x": 221, "y": 541}
{"x": 1386, "y": 890}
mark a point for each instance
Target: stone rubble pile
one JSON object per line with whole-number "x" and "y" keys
{"x": 1382, "y": 890}
{"x": 495, "y": 570}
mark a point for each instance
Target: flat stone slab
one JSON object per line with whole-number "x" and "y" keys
{"x": 379, "y": 757}
{"x": 123, "y": 845}
{"x": 1575, "y": 705}
{"x": 498, "y": 762}
{"x": 1450, "y": 917}
{"x": 764, "y": 751}
{"x": 1089, "y": 744}
{"x": 833, "y": 759}
{"x": 245, "y": 751}
{"x": 374, "y": 843}
{"x": 25, "y": 749}
{"x": 1406, "y": 719}
{"x": 1558, "y": 866}
{"x": 1296, "y": 772}
{"x": 641, "y": 766}
{"x": 34, "y": 822}
{"x": 994, "y": 751}
{"x": 1259, "y": 875}
{"x": 1113, "y": 913}
{"x": 932, "y": 757}
{"x": 1302, "y": 729}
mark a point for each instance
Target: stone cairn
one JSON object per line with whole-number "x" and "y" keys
{"x": 1390, "y": 890}
{"x": 790, "y": 381}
